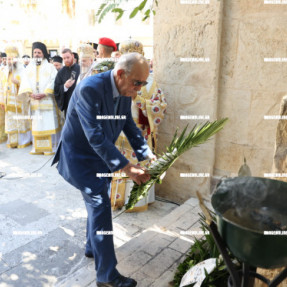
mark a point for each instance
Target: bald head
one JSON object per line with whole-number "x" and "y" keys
{"x": 127, "y": 61}
{"x": 130, "y": 73}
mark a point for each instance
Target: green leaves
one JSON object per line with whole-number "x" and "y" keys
{"x": 104, "y": 66}
{"x": 117, "y": 7}
{"x": 119, "y": 11}
{"x": 104, "y": 10}
{"x": 202, "y": 249}
{"x": 142, "y": 5}
{"x": 101, "y": 9}
{"x": 179, "y": 145}
{"x": 147, "y": 15}
{"x": 135, "y": 11}
{"x": 140, "y": 8}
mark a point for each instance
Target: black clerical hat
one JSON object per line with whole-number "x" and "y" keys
{"x": 94, "y": 45}
{"x": 42, "y": 47}
{"x": 58, "y": 59}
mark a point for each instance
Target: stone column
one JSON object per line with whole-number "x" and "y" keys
{"x": 183, "y": 32}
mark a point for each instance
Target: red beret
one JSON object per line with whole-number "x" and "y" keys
{"x": 108, "y": 42}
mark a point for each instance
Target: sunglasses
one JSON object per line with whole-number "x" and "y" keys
{"x": 139, "y": 83}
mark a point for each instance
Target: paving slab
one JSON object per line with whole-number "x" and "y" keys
{"x": 3, "y": 266}
{"x": 181, "y": 245}
{"x": 165, "y": 280}
{"x": 134, "y": 262}
{"x": 84, "y": 276}
{"x": 22, "y": 212}
{"x": 161, "y": 263}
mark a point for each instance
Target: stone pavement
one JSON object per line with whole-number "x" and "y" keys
{"x": 153, "y": 256}
{"x": 42, "y": 230}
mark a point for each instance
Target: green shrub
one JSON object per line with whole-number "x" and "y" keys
{"x": 202, "y": 249}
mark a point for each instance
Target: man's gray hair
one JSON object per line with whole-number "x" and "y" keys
{"x": 127, "y": 61}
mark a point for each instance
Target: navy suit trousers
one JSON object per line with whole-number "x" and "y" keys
{"x": 99, "y": 219}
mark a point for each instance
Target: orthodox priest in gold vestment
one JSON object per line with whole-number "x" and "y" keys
{"x": 86, "y": 61}
{"x": 148, "y": 109}
{"x": 88, "y": 67}
{"x": 3, "y": 136}
{"x": 17, "y": 122}
{"x": 38, "y": 83}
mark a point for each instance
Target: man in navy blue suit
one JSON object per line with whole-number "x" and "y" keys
{"x": 100, "y": 108}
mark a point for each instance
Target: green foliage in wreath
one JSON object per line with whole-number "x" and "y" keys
{"x": 202, "y": 249}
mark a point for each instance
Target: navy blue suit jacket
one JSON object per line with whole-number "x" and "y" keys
{"x": 87, "y": 143}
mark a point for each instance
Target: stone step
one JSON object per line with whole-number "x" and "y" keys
{"x": 152, "y": 257}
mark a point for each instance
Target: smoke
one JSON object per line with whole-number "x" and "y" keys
{"x": 252, "y": 202}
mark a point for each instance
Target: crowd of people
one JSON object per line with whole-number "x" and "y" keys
{"x": 35, "y": 94}
{"x": 43, "y": 97}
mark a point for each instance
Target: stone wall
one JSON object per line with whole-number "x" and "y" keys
{"x": 182, "y": 32}
{"x": 236, "y": 35}
{"x": 250, "y": 88}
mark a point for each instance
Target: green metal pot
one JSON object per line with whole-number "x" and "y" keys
{"x": 247, "y": 209}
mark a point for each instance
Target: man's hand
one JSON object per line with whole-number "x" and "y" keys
{"x": 136, "y": 173}
{"x": 16, "y": 82}
{"x": 152, "y": 158}
{"x": 37, "y": 96}
{"x": 2, "y": 107}
{"x": 69, "y": 83}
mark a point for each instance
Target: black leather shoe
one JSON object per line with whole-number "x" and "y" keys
{"x": 89, "y": 255}
{"x": 120, "y": 281}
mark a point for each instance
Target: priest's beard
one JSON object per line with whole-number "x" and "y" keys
{"x": 84, "y": 69}
{"x": 12, "y": 66}
{"x": 38, "y": 61}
